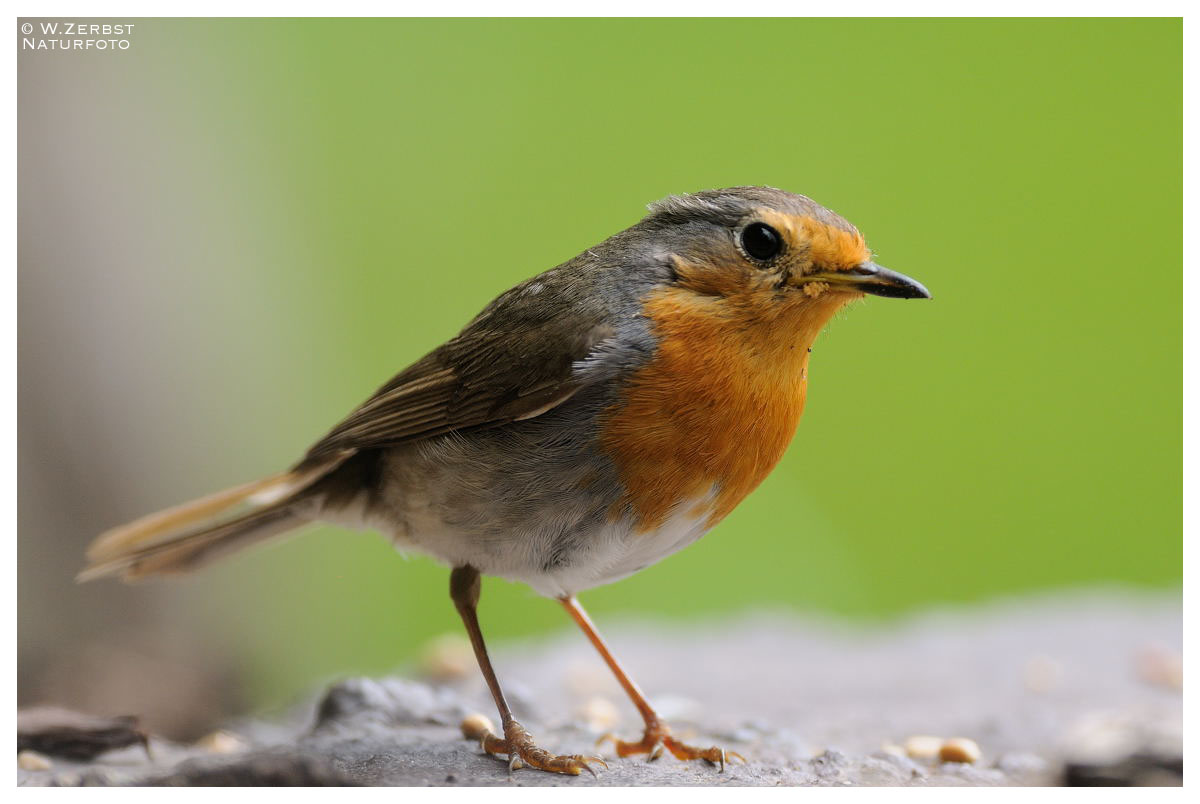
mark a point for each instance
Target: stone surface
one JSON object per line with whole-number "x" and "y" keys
{"x": 808, "y": 703}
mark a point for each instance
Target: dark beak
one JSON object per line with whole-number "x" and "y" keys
{"x": 874, "y": 279}
{"x": 879, "y": 281}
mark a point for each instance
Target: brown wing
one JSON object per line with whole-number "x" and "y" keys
{"x": 512, "y": 362}
{"x": 516, "y": 360}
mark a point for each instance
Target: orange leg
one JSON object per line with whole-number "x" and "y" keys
{"x": 657, "y": 735}
{"x": 517, "y": 743}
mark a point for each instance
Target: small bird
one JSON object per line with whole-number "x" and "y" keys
{"x": 589, "y": 422}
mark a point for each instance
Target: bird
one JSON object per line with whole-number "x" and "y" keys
{"x": 589, "y": 422}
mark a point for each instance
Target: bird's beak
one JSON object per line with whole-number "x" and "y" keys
{"x": 874, "y": 279}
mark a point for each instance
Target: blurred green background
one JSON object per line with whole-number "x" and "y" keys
{"x": 237, "y": 229}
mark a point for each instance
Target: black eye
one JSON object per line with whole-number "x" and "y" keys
{"x": 761, "y": 241}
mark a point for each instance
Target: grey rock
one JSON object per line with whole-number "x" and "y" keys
{"x": 364, "y": 705}
{"x": 808, "y": 703}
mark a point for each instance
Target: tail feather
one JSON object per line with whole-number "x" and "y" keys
{"x": 191, "y": 550}
{"x": 189, "y": 535}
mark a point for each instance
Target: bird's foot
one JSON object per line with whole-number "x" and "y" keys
{"x": 521, "y": 750}
{"x": 658, "y": 737}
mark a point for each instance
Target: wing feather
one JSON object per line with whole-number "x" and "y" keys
{"x": 515, "y": 361}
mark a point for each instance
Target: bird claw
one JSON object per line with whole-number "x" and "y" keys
{"x": 658, "y": 737}
{"x": 522, "y": 752}
{"x": 724, "y": 757}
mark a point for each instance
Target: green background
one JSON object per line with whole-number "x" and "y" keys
{"x": 385, "y": 179}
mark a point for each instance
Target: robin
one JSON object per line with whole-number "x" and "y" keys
{"x": 589, "y": 422}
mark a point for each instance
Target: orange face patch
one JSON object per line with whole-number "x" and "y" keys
{"x": 718, "y": 404}
{"x": 826, "y": 247}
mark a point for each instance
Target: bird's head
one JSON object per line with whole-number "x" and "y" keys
{"x": 741, "y": 282}
{"x": 759, "y": 240}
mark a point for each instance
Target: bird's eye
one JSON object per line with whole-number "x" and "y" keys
{"x": 761, "y": 241}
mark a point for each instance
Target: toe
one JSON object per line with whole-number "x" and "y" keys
{"x": 523, "y": 752}
{"x": 571, "y": 765}
{"x": 714, "y": 755}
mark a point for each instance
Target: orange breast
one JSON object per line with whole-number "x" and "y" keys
{"x": 717, "y": 405}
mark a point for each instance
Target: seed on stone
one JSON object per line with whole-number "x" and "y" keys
{"x": 598, "y": 714}
{"x": 221, "y": 742}
{"x": 1160, "y": 666}
{"x": 960, "y": 749}
{"x": 922, "y": 746}
{"x": 475, "y": 726}
{"x": 448, "y": 658}
{"x": 33, "y": 761}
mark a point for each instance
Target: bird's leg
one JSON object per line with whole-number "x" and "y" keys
{"x": 517, "y": 743}
{"x": 657, "y": 735}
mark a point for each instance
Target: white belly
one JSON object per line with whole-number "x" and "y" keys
{"x": 605, "y": 554}
{"x": 618, "y": 552}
